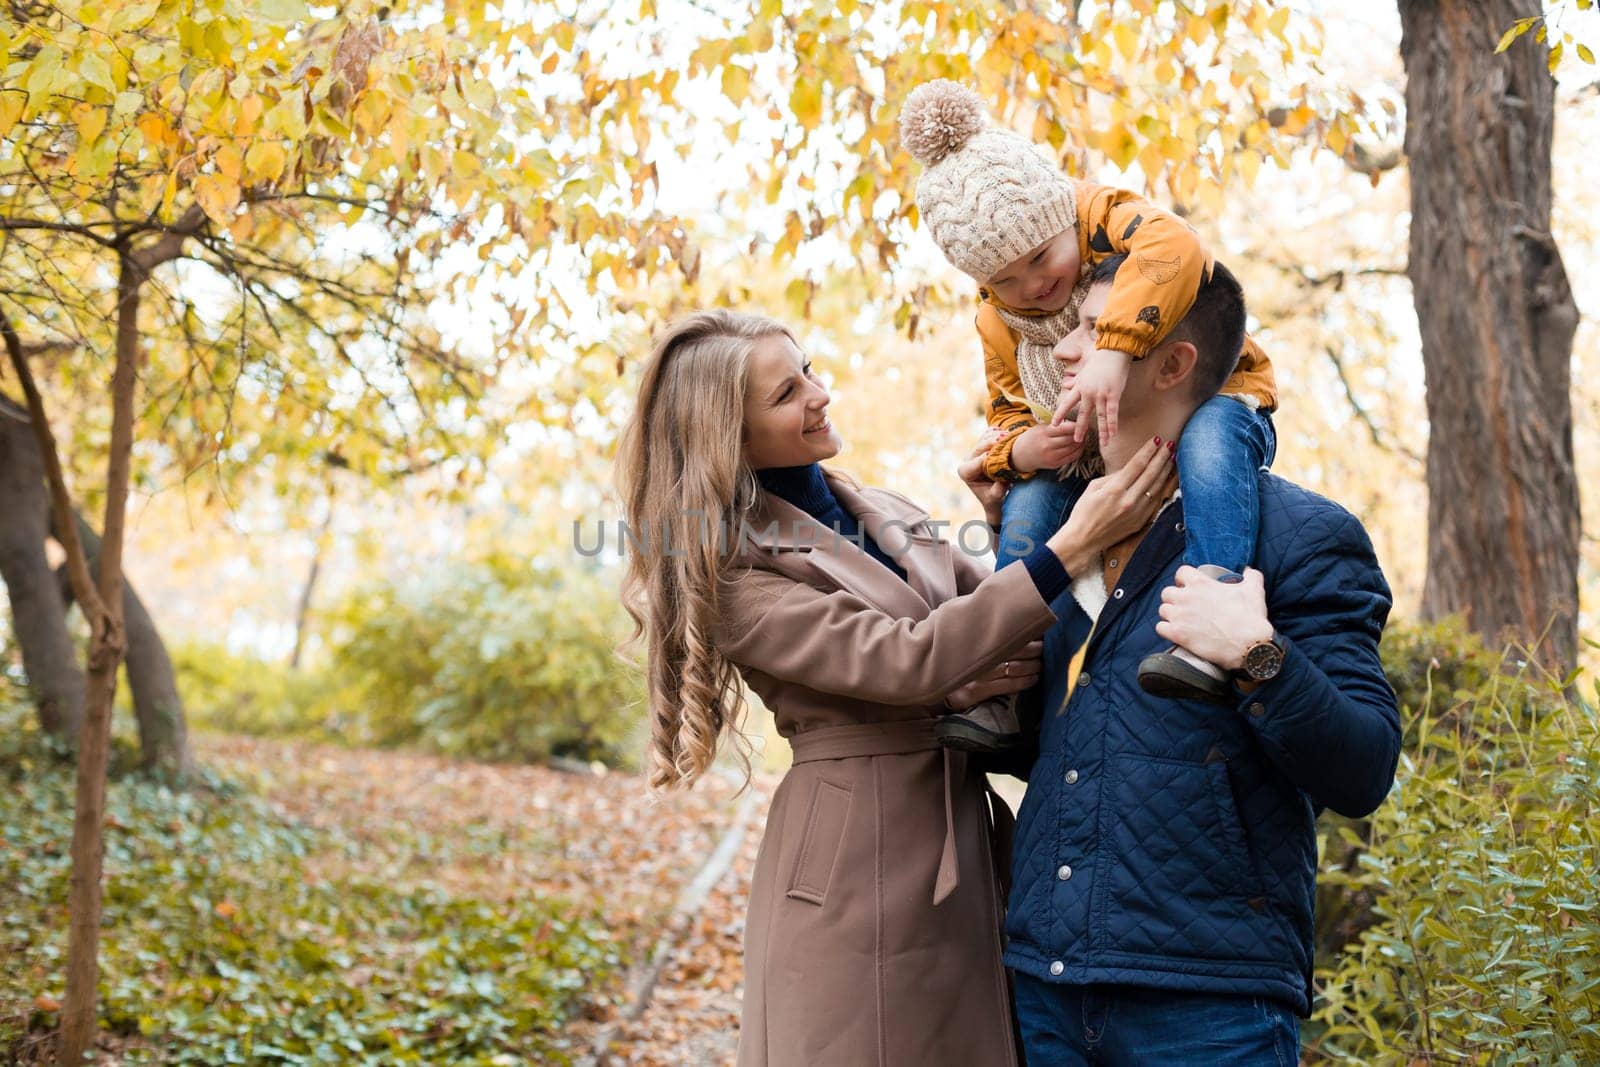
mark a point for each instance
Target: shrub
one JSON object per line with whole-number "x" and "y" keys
{"x": 1481, "y": 938}
{"x": 491, "y": 660}
{"x": 228, "y": 691}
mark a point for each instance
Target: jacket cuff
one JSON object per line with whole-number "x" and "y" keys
{"x": 1137, "y": 345}
{"x": 1048, "y": 575}
{"x": 1260, "y": 703}
{"x": 997, "y": 464}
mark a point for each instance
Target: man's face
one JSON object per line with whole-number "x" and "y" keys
{"x": 1042, "y": 278}
{"x": 1074, "y": 350}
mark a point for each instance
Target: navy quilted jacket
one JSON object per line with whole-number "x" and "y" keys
{"x": 1171, "y": 844}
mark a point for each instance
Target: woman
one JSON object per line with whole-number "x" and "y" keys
{"x": 873, "y": 931}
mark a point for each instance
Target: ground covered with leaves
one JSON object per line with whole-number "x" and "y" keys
{"x": 312, "y": 904}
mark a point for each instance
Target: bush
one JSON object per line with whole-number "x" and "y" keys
{"x": 244, "y": 694}
{"x": 490, "y": 660}
{"x": 487, "y": 661}
{"x": 221, "y": 944}
{"x": 1478, "y": 902}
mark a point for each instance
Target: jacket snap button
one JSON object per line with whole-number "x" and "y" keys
{"x": 1064, "y": 872}
{"x": 1085, "y": 679}
{"x": 1057, "y": 967}
{"x": 1117, "y": 594}
{"x": 1072, "y": 777}
{"x": 1258, "y": 709}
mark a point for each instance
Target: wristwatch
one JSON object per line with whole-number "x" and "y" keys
{"x": 1263, "y": 660}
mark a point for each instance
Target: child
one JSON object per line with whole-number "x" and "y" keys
{"x": 1030, "y": 236}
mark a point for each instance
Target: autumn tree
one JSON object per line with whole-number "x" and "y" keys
{"x": 1497, "y": 318}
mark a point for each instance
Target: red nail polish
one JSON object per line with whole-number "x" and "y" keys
{"x": 1172, "y": 446}
{"x": 1158, "y": 440}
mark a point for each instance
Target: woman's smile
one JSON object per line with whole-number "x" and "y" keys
{"x": 821, "y": 426}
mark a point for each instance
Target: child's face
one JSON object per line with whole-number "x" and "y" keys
{"x": 1042, "y": 278}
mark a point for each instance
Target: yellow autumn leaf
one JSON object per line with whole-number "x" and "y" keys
{"x": 1585, "y": 54}
{"x": 1337, "y": 139}
{"x": 230, "y": 162}
{"x": 156, "y": 131}
{"x": 217, "y": 195}
{"x": 264, "y": 162}
{"x": 91, "y": 120}
{"x": 1040, "y": 412}
{"x": 11, "y": 105}
{"x": 1127, "y": 38}
{"x": 806, "y": 102}
{"x": 735, "y": 83}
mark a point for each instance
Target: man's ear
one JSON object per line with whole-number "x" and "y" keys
{"x": 1176, "y": 366}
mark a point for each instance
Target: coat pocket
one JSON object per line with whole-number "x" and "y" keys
{"x": 819, "y": 845}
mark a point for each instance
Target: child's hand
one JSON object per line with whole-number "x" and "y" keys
{"x": 1040, "y": 448}
{"x": 1097, "y": 388}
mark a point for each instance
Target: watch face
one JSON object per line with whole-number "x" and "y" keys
{"x": 1262, "y": 661}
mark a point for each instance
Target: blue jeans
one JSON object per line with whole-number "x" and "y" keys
{"x": 1222, "y": 448}
{"x": 1034, "y": 510}
{"x": 1114, "y": 1025}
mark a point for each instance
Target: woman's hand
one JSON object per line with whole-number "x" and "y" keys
{"x": 990, "y": 493}
{"x": 1014, "y": 675}
{"x": 1116, "y": 506}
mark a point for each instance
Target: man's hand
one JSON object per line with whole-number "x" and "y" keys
{"x": 1215, "y": 620}
{"x": 990, "y": 493}
{"x": 1098, "y": 389}
{"x": 1044, "y": 448}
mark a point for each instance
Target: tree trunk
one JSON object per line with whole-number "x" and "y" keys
{"x": 38, "y": 612}
{"x": 302, "y": 615}
{"x": 163, "y": 730}
{"x": 106, "y": 645}
{"x": 1497, "y": 319}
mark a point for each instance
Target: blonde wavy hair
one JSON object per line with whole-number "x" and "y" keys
{"x": 682, "y": 478}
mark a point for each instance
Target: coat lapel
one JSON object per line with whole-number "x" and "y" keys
{"x": 795, "y": 544}
{"x": 894, "y": 525}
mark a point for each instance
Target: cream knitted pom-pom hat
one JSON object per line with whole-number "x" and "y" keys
{"x": 986, "y": 194}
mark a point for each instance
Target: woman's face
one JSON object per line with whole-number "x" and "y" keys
{"x": 785, "y": 409}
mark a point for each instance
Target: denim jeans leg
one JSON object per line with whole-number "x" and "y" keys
{"x": 1220, "y": 454}
{"x": 1051, "y": 1020}
{"x": 1034, "y": 510}
{"x": 1177, "y": 1028}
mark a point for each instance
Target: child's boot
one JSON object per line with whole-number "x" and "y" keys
{"x": 1181, "y": 675}
{"x": 992, "y": 726}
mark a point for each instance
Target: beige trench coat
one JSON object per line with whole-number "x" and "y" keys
{"x": 874, "y": 929}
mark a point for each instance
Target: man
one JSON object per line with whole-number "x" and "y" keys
{"x": 1165, "y": 853}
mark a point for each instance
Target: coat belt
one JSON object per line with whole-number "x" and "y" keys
{"x": 900, "y": 738}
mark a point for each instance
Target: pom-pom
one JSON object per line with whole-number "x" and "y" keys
{"x": 938, "y": 118}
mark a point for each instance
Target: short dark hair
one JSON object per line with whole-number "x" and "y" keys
{"x": 1214, "y": 324}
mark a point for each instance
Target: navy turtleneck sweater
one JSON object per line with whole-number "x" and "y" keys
{"x": 805, "y": 488}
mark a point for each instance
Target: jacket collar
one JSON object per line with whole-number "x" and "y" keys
{"x": 781, "y": 536}
{"x": 1161, "y": 545}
